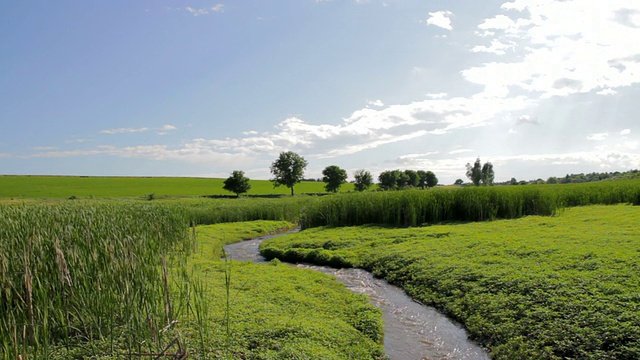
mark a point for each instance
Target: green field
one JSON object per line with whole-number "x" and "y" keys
{"x": 539, "y": 287}
{"x": 107, "y": 279}
{"x": 103, "y": 277}
{"x": 63, "y": 187}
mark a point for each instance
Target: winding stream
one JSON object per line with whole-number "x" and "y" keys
{"x": 411, "y": 331}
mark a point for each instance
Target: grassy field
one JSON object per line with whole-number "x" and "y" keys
{"x": 105, "y": 279}
{"x": 560, "y": 287}
{"x": 63, "y": 187}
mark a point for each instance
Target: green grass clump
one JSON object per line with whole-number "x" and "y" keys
{"x": 561, "y": 287}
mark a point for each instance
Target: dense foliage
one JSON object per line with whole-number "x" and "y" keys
{"x": 561, "y": 287}
{"x": 237, "y": 183}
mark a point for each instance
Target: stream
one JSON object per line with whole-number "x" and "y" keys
{"x": 411, "y": 331}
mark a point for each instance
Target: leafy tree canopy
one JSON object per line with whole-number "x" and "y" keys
{"x": 288, "y": 170}
{"x": 333, "y": 177}
{"x": 363, "y": 180}
{"x": 237, "y": 183}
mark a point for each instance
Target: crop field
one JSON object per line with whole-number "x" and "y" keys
{"x": 64, "y": 187}
{"x": 538, "y": 287}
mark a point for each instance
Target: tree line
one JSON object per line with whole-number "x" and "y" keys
{"x": 288, "y": 170}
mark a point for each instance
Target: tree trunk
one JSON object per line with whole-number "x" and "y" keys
{"x": 292, "y": 191}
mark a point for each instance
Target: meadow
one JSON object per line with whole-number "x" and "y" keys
{"x": 538, "y": 287}
{"x": 89, "y": 187}
{"x": 528, "y": 273}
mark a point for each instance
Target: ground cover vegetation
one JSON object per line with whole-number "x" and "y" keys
{"x": 129, "y": 279}
{"x": 538, "y": 287}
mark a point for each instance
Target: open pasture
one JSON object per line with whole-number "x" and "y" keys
{"x": 84, "y": 187}
{"x": 538, "y": 287}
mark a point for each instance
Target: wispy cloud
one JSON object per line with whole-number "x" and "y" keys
{"x": 123, "y": 130}
{"x": 375, "y": 103}
{"x": 205, "y": 11}
{"x": 598, "y": 136}
{"x": 440, "y": 19}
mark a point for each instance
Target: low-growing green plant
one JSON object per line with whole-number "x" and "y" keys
{"x": 561, "y": 287}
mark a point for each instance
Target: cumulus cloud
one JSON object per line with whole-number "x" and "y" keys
{"x": 625, "y": 132}
{"x": 560, "y": 55}
{"x": 376, "y": 103}
{"x": 440, "y": 19}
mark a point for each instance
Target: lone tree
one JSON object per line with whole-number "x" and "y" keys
{"x": 333, "y": 178}
{"x": 237, "y": 183}
{"x": 288, "y": 170}
{"x": 487, "y": 174}
{"x": 364, "y": 180}
{"x": 474, "y": 173}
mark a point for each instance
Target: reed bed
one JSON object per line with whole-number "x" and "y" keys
{"x": 78, "y": 273}
{"x": 417, "y": 207}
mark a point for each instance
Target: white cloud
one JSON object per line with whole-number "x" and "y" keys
{"x": 625, "y": 132}
{"x": 496, "y": 47}
{"x": 436, "y": 95}
{"x": 123, "y": 130}
{"x": 607, "y": 91}
{"x": 168, "y": 127}
{"x": 205, "y": 11}
{"x": 459, "y": 151}
{"x": 559, "y": 55}
{"x": 526, "y": 119}
{"x": 376, "y": 103}
{"x": 43, "y": 148}
{"x": 440, "y": 19}
{"x": 597, "y": 137}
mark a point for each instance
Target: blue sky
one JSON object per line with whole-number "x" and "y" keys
{"x": 201, "y": 88}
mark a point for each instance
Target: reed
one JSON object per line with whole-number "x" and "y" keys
{"x": 417, "y": 207}
{"x": 76, "y": 273}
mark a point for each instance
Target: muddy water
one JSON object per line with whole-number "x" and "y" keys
{"x": 411, "y": 331}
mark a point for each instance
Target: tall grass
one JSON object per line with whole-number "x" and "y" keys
{"x": 416, "y": 207}
{"x": 78, "y": 273}
{"x": 214, "y": 211}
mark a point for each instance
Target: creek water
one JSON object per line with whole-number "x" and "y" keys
{"x": 412, "y": 331}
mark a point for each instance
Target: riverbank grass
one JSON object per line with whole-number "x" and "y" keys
{"x": 274, "y": 311}
{"x": 560, "y": 287}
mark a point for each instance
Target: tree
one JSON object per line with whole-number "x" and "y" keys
{"x": 413, "y": 179}
{"x": 487, "y": 174}
{"x": 513, "y": 181}
{"x": 388, "y": 180}
{"x": 474, "y": 173}
{"x": 288, "y": 170}
{"x": 458, "y": 182}
{"x": 237, "y": 183}
{"x": 364, "y": 180}
{"x": 431, "y": 179}
{"x": 333, "y": 178}
{"x": 422, "y": 179}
